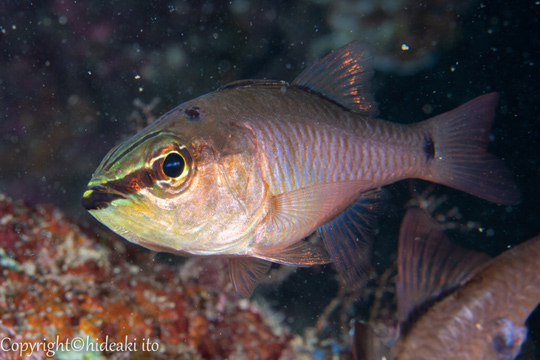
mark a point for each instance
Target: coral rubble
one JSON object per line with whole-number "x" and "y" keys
{"x": 60, "y": 281}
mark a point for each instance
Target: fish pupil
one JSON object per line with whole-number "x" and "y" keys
{"x": 174, "y": 165}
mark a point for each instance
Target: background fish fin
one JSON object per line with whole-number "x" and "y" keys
{"x": 246, "y": 274}
{"x": 298, "y": 213}
{"x": 367, "y": 345}
{"x": 343, "y": 76}
{"x": 349, "y": 237}
{"x": 429, "y": 265}
{"x": 301, "y": 253}
{"x": 458, "y": 142}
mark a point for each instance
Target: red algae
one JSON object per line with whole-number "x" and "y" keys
{"x": 60, "y": 281}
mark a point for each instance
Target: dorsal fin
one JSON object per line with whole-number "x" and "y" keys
{"x": 343, "y": 76}
{"x": 253, "y": 83}
{"x": 429, "y": 265}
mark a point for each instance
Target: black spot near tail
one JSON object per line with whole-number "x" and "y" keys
{"x": 429, "y": 147}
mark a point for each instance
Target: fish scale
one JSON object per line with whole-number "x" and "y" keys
{"x": 302, "y": 152}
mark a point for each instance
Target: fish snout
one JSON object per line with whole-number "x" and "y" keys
{"x": 97, "y": 197}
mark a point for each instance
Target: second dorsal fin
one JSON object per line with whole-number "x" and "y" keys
{"x": 343, "y": 76}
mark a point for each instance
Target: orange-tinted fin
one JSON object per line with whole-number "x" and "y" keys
{"x": 343, "y": 76}
{"x": 349, "y": 237}
{"x": 456, "y": 144}
{"x": 301, "y": 253}
{"x": 246, "y": 274}
{"x": 429, "y": 265}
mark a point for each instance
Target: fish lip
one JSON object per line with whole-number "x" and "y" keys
{"x": 97, "y": 197}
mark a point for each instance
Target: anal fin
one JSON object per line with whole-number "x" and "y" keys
{"x": 301, "y": 253}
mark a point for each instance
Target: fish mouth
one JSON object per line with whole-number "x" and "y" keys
{"x": 97, "y": 197}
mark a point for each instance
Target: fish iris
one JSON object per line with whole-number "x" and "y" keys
{"x": 174, "y": 165}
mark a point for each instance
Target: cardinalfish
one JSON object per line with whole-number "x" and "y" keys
{"x": 455, "y": 303}
{"x": 247, "y": 172}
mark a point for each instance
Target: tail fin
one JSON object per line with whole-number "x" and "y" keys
{"x": 457, "y": 153}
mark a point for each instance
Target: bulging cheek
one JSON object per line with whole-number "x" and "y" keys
{"x": 197, "y": 211}
{"x": 152, "y": 201}
{"x": 151, "y": 226}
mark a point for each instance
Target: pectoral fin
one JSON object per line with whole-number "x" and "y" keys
{"x": 246, "y": 273}
{"x": 297, "y": 214}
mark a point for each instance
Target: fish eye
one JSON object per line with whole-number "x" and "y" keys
{"x": 174, "y": 165}
{"x": 170, "y": 167}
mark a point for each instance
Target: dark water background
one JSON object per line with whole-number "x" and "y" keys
{"x": 70, "y": 72}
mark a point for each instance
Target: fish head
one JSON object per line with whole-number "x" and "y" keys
{"x": 181, "y": 186}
